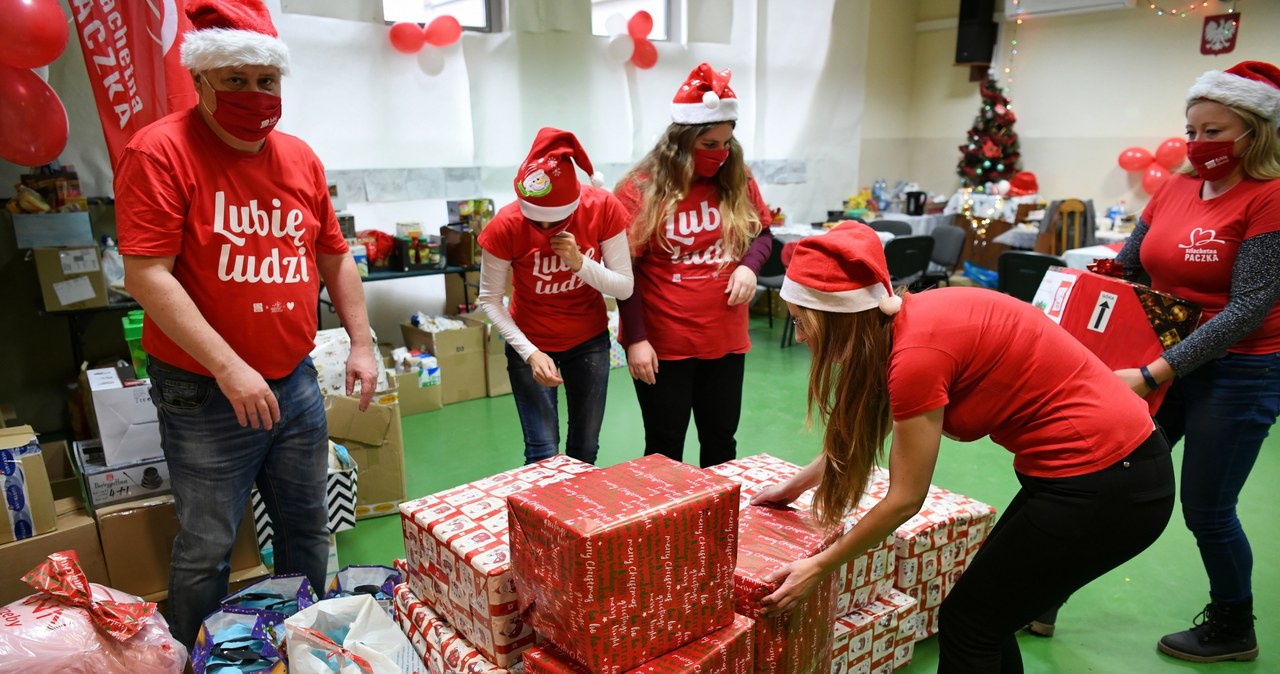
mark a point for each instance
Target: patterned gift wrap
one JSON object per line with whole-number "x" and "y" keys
{"x": 617, "y": 352}
{"x": 442, "y": 649}
{"x": 727, "y": 650}
{"x": 619, "y": 566}
{"x": 863, "y": 578}
{"x": 799, "y": 641}
{"x": 458, "y": 560}
{"x": 878, "y": 638}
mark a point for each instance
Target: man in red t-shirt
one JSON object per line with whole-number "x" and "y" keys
{"x": 227, "y": 231}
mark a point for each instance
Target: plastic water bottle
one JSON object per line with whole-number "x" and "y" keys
{"x": 113, "y": 270}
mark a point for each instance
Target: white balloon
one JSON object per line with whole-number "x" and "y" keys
{"x": 616, "y": 24}
{"x": 620, "y": 48}
{"x": 431, "y": 60}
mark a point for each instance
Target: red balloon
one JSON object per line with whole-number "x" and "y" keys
{"x": 1135, "y": 159}
{"x": 1154, "y": 178}
{"x": 1172, "y": 153}
{"x": 32, "y": 33}
{"x": 33, "y": 123}
{"x": 443, "y": 31}
{"x": 640, "y": 25}
{"x": 407, "y": 37}
{"x": 645, "y": 55}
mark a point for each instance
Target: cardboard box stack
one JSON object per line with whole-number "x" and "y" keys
{"x": 375, "y": 440}
{"x": 878, "y": 638}
{"x": 459, "y": 347}
{"x": 459, "y": 562}
{"x": 28, "y": 499}
{"x": 122, "y": 415}
{"x": 727, "y": 650}
{"x": 495, "y": 357}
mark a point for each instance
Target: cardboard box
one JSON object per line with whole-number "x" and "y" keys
{"x": 71, "y": 278}
{"x": 458, "y": 560}
{"x": 455, "y": 292}
{"x": 415, "y": 398}
{"x": 105, "y": 485}
{"x": 75, "y": 530}
{"x": 375, "y": 440}
{"x": 604, "y": 563}
{"x": 728, "y": 650}
{"x": 497, "y": 381}
{"x": 440, "y": 646}
{"x": 61, "y": 470}
{"x": 28, "y": 500}
{"x": 879, "y": 637}
{"x": 1124, "y": 324}
{"x": 137, "y": 544}
{"x": 800, "y": 640}
{"x": 123, "y": 417}
{"x": 460, "y": 354}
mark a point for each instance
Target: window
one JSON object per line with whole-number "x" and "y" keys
{"x": 660, "y": 10}
{"x": 481, "y": 15}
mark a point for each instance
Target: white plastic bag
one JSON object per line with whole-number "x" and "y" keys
{"x": 348, "y": 635}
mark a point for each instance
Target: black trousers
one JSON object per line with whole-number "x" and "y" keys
{"x": 709, "y": 388}
{"x": 1057, "y": 535}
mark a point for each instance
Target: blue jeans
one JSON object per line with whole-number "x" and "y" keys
{"x": 585, "y": 371}
{"x": 213, "y": 464}
{"x": 1223, "y": 411}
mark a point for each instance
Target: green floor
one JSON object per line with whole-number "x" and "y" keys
{"x": 1110, "y": 626}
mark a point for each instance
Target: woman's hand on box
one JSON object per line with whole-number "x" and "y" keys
{"x": 799, "y": 579}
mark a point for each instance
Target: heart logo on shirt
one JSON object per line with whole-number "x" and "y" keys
{"x": 289, "y": 305}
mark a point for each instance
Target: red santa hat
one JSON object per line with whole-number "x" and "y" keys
{"x": 705, "y": 98}
{"x": 842, "y": 271}
{"x": 1251, "y": 85}
{"x": 1023, "y": 183}
{"x": 231, "y": 33}
{"x": 546, "y": 185}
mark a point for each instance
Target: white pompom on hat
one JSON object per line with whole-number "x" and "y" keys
{"x": 705, "y": 97}
{"x": 547, "y": 186}
{"x": 1251, "y": 85}
{"x": 231, "y": 33}
{"x": 842, "y": 271}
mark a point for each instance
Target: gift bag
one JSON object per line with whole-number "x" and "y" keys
{"x": 348, "y": 635}
{"x": 239, "y": 640}
{"x": 285, "y": 594}
{"x": 378, "y": 582}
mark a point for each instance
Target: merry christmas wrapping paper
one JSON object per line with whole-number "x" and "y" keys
{"x": 876, "y": 639}
{"x": 727, "y": 650}
{"x": 800, "y": 640}
{"x": 442, "y": 649}
{"x": 459, "y": 562}
{"x": 618, "y": 566}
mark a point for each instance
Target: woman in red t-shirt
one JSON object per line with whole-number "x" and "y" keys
{"x": 563, "y": 246}
{"x": 1097, "y": 478}
{"x": 699, "y": 233}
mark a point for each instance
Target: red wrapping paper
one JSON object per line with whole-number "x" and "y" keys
{"x": 619, "y": 566}
{"x": 458, "y": 561}
{"x": 442, "y": 649}
{"x": 800, "y": 640}
{"x": 60, "y": 579}
{"x": 877, "y": 638}
{"x": 728, "y": 650}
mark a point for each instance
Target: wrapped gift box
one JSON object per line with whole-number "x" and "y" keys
{"x": 1124, "y": 324}
{"x": 800, "y": 640}
{"x": 878, "y": 638}
{"x": 441, "y": 648}
{"x": 329, "y": 356}
{"x": 619, "y": 566}
{"x": 458, "y": 561}
{"x": 727, "y": 650}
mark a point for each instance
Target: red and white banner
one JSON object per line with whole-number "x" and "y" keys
{"x": 131, "y": 53}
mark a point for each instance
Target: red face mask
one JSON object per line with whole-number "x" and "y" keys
{"x": 1214, "y": 159}
{"x": 707, "y": 162}
{"x": 247, "y": 115}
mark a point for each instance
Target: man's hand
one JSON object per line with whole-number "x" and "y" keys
{"x": 251, "y": 398}
{"x": 566, "y": 246}
{"x": 742, "y": 286}
{"x": 362, "y": 367}
{"x": 544, "y": 370}
{"x": 642, "y": 361}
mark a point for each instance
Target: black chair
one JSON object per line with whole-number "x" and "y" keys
{"x": 948, "y": 244}
{"x": 1021, "y": 272}
{"x": 894, "y": 227}
{"x": 771, "y": 274}
{"x": 908, "y": 258}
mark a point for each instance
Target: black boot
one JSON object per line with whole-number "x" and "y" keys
{"x": 1220, "y": 632}
{"x": 1043, "y": 624}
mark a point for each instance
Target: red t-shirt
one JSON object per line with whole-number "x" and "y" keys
{"x": 1001, "y": 368}
{"x": 550, "y": 304}
{"x": 1191, "y": 246}
{"x": 243, "y": 229}
{"x": 686, "y": 310}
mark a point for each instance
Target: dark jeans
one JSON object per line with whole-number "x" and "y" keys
{"x": 1056, "y": 535}
{"x": 709, "y": 388}
{"x": 214, "y": 463}
{"x": 1223, "y": 411}
{"x": 585, "y": 371}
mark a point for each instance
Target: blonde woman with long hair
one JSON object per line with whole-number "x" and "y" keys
{"x": 699, "y": 234}
{"x": 1096, "y": 476}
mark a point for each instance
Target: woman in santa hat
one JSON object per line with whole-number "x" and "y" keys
{"x": 699, "y": 232}
{"x": 1096, "y": 476}
{"x": 563, "y": 245}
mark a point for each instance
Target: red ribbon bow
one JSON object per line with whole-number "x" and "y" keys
{"x": 60, "y": 578}
{"x": 1107, "y": 267}
{"x": 335, "y": 650}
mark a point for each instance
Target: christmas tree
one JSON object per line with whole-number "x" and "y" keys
{"x": 992, "y": 153}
